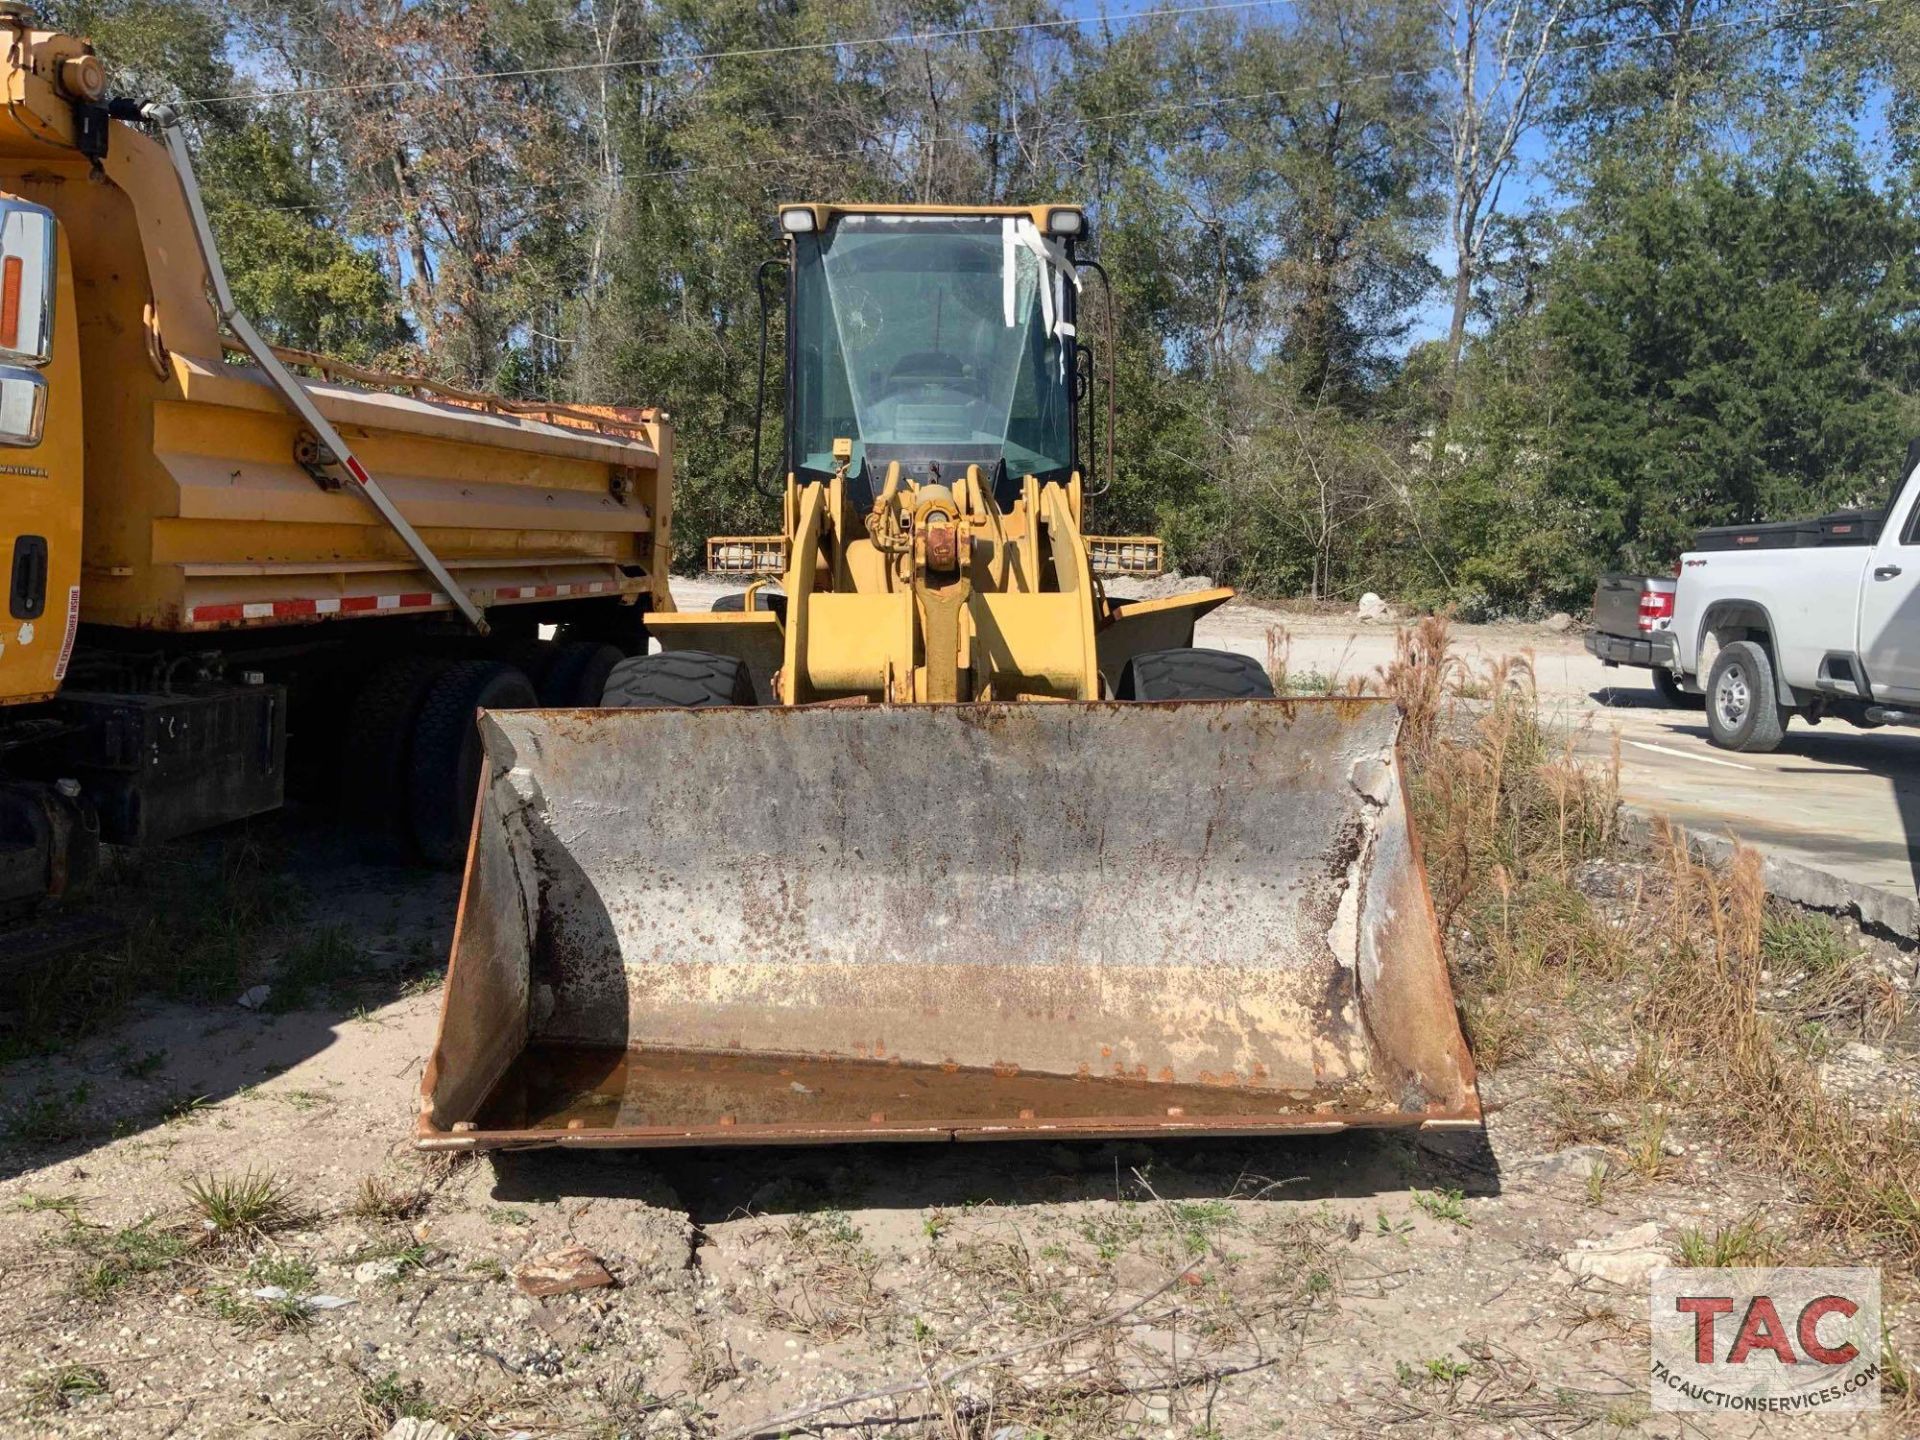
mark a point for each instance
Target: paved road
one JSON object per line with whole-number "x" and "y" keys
{"x": 1832, "y": 799}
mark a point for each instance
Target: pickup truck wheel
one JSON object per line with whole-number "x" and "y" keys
{"x": 1743, "y": 712}
{"x": 1671, "y": 694}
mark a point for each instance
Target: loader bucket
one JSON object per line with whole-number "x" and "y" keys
{"x": 977, "y": 921}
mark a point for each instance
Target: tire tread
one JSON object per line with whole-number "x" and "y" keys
{"x": 1194, "y": 674}
{"x": 679, "y": 680}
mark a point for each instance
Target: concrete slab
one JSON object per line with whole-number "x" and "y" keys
{"x": 1836, "y": 810}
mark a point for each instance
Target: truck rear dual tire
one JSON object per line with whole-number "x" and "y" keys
{"x": 1191, "y": 674}
{"x": 373, "y": 762}
{"x": 443, "y": 764}
{"x": 576, "y": 674}
{"x": 678, "y": 680}
{"x": 411, "y": 767}
{"x": 1743, "y": 708}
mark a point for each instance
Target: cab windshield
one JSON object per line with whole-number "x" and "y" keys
{"x": 931, "y": 340}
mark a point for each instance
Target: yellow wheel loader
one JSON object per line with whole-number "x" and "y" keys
{"x": 924, "y": 835}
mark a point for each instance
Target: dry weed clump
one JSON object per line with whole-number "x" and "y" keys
{"x": 1508, "y": 813}
{"x": 1857, "y": 1171}
{"x": 823, "y": 1279}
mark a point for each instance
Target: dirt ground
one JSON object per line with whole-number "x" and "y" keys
{"x": 159, "y": 1173}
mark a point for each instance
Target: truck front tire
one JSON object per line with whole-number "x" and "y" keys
{"x": 1743, "y": 708}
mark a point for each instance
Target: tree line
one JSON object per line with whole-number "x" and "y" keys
{"x": 1462, "y": 301}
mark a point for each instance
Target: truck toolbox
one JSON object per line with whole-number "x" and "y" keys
{"x": 1841, "y": 527}
{"x": 158, "y": 766}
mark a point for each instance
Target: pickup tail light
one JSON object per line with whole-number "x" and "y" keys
{"x": 1656, "y": 609}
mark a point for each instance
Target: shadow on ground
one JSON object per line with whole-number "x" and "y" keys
{"x": 103, "y": 1042}
{"x": 715, "y": 1185}
{"x": 1633, "y": 697}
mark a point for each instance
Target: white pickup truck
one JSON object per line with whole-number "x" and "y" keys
{"x": 1816, "y": 618}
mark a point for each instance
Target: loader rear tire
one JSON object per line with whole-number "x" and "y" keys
{"x": 578, "y": 672}
{"x": 443, "y": 768}
{"x": 373, "y": 761}
{"x": 1189, "y": 674}
{"x": 770, "y": 600}
{"x": 678, "y": 680}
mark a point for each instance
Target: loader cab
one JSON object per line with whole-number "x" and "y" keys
{"x": 940, "y": 339}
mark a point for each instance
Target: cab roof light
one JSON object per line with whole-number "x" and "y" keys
{"x": 1066, "y": 222}
{"x": 797, "y": 221}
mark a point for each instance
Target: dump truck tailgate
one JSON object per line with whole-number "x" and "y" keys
{"x": 915, "y": 922}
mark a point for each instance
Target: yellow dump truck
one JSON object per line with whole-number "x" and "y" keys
{"x": 925, "y": 834}
{"x": 220, "y": 575}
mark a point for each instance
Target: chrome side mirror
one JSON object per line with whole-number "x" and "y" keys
{"x": 23, "y": 405}
{"x": 28, "y": 266}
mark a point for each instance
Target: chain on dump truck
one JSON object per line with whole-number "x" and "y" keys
{"x": 224, "y": 577}
{"x": 924, "y": 833}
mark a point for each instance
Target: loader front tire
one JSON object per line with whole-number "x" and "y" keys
{"x": 769, "y": 600}
{"x": 1189, "y": 674}
{"x": 443, "y": 768}
{"x": 678, "y": 680}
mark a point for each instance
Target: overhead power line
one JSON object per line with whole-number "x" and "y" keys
{"x": 764, "y": 52}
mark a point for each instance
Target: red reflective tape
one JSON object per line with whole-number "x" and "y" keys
{"x": 211, "y": 614}
{"x": 358, "y": 602}
{"x": 416, "y": 597}
{"x": 357, "y": 470}
{"x": 544, "y": 592}
{"x": 294, "y": 607}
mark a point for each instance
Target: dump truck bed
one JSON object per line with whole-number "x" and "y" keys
{"x": 217, "y": 525}
{"x": 199, "y": 514}
{"x": 873, "y": 922}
